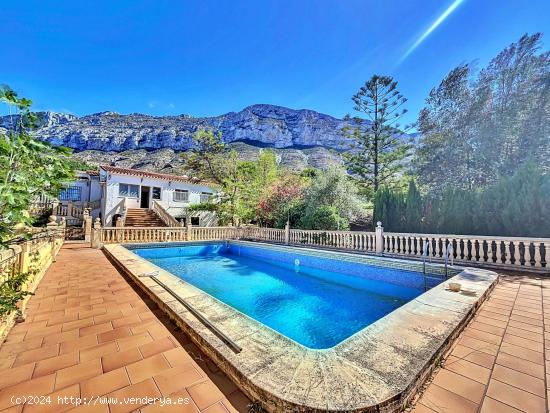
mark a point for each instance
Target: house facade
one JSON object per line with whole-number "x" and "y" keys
{"x": 112, "y": 193}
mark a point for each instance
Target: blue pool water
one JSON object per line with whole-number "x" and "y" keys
{"x": 316, "y": 301}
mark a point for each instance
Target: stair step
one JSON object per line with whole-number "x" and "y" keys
{"x": 143, "y": 217}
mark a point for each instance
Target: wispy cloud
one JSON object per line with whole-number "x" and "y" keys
{"x": 433, "y": 26}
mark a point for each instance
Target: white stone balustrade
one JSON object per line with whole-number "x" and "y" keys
{"x": 513, "y": 252}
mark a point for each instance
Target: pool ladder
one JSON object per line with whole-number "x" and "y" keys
{"x": 424, "y": 255}
{"x": 447, "y": 252}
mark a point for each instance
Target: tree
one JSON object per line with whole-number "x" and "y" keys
{"x": 517, "y": 205}
{"x": 333, "y": 188}
{"x": 210, "y": 159}
{"x": 240, "y": 182}
{"x": 448, "y": 139}
{"x": 413, "y": 208}
{"x": 477, "y": 127}
{"x": 29, "y": 168}
{"x": 282, "y": 200}
{"x": 257, "y": 177}
{"x": 325, "y": 218}
{"x": 379, "y": 145}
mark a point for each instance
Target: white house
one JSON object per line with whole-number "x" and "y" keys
{"x": 114, "y": 192}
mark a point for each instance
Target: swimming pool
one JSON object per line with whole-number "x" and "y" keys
{"x": 378, "y": 368}
{"x": 311, "y": 298}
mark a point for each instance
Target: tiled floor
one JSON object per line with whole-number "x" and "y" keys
{"x": 500, "y": 362}
{"x": 89, "y": 334}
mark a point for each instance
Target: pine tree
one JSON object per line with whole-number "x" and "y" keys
{"x": 479, "y": 127}
{"x": 379, "y": 145}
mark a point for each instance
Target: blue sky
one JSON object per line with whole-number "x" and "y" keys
{"x": 210, "y": 57}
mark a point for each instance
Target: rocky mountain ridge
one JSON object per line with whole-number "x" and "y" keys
{"x": 268, "y": 125}
{"x": 301, "y": 138}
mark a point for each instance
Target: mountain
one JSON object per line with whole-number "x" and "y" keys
{"x": 300, "y": 138}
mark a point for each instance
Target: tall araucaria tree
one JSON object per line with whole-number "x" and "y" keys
{"x": 380, "y": 146}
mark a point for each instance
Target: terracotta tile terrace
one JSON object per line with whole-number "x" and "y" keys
{"x": 500, "y": 362}
{"x": 88, "y": 333}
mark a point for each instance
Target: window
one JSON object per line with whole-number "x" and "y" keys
{"x": 72, "y": 193}
{"x": 156, "y": 192}
{"x": 181, "y": 195}
{"x": 205, "y": 197}
{"x": 195, "y": 221}
{"x": 127, "y": 190}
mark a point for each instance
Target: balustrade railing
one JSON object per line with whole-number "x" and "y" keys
{"x": 352, "y": 240}
{"x": 264, "y": 234}
{"x": 215, "y": 233}
{"x": 510, "y": 251}
{"x": 74, "y": 214}
{"x": 40, "y": 208}
{"x": 513, "y": 252}
{"x": 117, "y": 235}
{"x": 61, "y": 210}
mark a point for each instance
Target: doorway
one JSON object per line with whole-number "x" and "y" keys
{"x": 144, "y": 198}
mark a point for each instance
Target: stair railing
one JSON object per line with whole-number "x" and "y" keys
{"x": 164, "y": 215}
{"x": 124, "y": 210}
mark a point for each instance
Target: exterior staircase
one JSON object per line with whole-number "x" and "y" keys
{"x": 142, "y": 217}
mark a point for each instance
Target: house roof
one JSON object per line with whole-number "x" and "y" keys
{"x": 93, "y": 172}
{"x": 155, "y": 175}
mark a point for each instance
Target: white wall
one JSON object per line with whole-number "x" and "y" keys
{"x": 90, "y": 191}
{"x": 95, "y": 189}
{"x": 113, "y": 202}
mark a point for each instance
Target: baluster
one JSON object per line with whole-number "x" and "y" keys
{"x": 489, "y": 252}
{"x": 537, "y": 256}
{"x": 507, "y": 253}
{"x": 476, "y": 245}
{"x": 486, "y": 249}
{"x": 459, "y": 249}
{"x": 546, "y": 247}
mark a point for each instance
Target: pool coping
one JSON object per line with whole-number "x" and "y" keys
{"x": 378, "y": 369}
